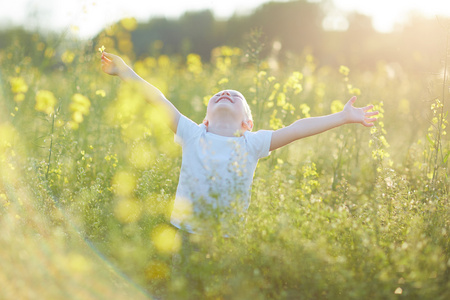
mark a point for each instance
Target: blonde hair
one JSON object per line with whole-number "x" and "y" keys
{"x": 248, "y": 111}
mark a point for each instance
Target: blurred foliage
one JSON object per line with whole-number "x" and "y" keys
{"x": 290, "y": 28}
{"x": 88, "y": 171}
{"x": 294, "y": 27}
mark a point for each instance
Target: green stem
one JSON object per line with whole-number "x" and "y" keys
{"x": 51, "y": 147}
{"x": 438, "y": 142}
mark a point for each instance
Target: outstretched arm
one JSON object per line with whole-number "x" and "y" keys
{"x": 114, "y": 65}
{"x": 310, "y": 126}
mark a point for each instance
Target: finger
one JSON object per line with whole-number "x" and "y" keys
{"x": 105, "y": 65}
{"x": 367, "y": 124}
{"x": 369, "y": 107}
{"x": 370, "y": 120}
{"x": 371, "y": 113}
{"x": 352, "y": 100}
{"x": 107, "y": 55}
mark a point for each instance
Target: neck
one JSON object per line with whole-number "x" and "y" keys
{"x": 225, "y": 128}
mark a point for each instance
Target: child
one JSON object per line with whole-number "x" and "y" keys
{"x": 220, "y": 155}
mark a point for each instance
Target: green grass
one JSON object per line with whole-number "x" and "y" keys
{"x": 353, "y": 213}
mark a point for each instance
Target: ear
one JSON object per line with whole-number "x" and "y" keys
{"x": 206, "y": 122}
{"x": 247, "y": 125}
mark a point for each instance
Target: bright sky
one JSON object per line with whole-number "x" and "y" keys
{"x": 386, "y": 13}
{"x": 90, "y": 16}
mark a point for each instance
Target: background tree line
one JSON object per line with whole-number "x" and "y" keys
{"x": 289, "y": 28}
{"x": 297, "y": 27}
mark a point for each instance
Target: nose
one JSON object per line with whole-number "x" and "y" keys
{"x": 225, "y": 93}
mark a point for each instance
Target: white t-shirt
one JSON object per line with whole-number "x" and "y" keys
{"x": 216, "y": 174}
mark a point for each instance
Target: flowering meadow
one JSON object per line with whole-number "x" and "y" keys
{"x": 89, "y": 172}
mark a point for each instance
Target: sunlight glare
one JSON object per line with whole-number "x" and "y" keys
{"x": 386, "y": 13}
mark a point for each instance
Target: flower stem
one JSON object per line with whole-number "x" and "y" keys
{"x": 51, "y": 147}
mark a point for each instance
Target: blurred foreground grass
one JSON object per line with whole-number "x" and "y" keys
{"x": 44, "y": 257}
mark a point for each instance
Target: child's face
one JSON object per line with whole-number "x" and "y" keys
{"x": 228, "y": 101}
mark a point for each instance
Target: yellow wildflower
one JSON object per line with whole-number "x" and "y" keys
{"x": 194, "y": 63}
{"x": 101, "y": 93}
{"x": 157, "y": 270}
{"x": 223, "y": 81}
{"x": 79, "y": 107}
{"x": 18, "y": 85}
{"x": 49, "y": 52}
{"x": 74, "y": 28}
{"x": 128, "y": 210}
{"x": 165, "y": 239}
{"x": 124, "y": 183}
{"x": 67, "y": 57}
{"x": 80, "y": 103}
{"x": 336, "y": 106}
{"x": 45, "y": 102}
{"x": 129, "y": 24}
{"x": 19, "y": 97}
{"x": 77, "y": 117}
{"x": 344, "y": 70}
{"x": 305, "y": 110}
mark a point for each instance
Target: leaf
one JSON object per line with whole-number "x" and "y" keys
{"x": 430, "y": 140}
{"x": 446, "y": 156}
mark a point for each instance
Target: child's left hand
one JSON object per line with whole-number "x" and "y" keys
{"x": 359, "y": 115}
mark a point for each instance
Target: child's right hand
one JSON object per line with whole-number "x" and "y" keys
{"x": 113, "y": 64}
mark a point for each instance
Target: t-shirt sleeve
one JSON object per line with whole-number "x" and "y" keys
{"x": 186, "y": 129}
{"x": 259, "y": 142}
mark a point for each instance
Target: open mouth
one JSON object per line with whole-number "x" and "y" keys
{"x": 224, "y": 98}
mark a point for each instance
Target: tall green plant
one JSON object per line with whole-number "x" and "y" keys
{"x": 438, "y": 154}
